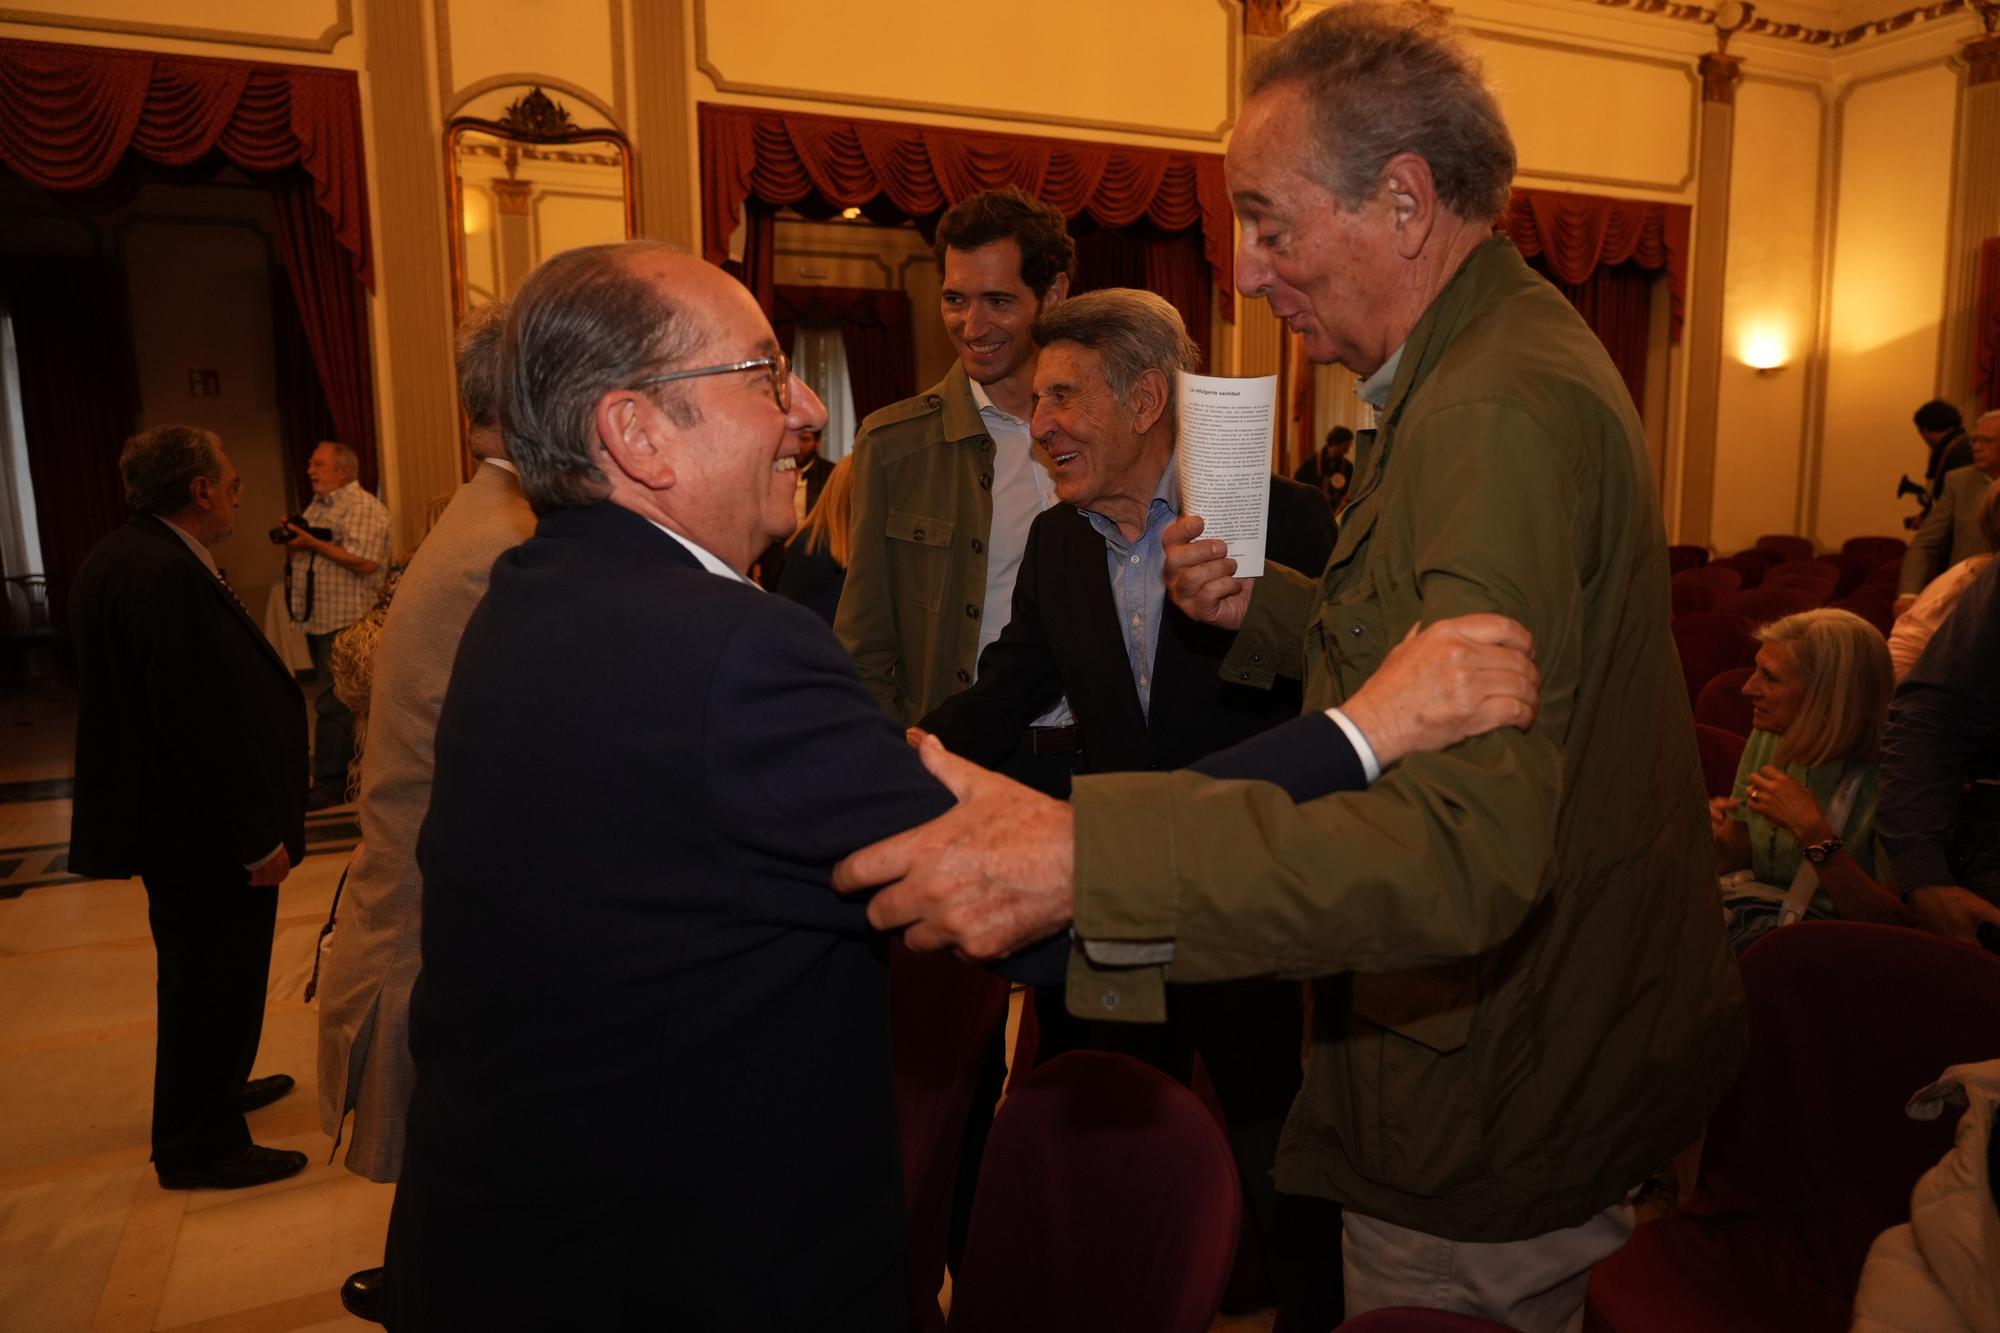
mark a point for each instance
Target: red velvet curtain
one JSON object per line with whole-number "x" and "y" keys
{"x": 1170, "y": 264}
{"x": 69, "y": 115}
{"x": 1986, "y": 331}
{"x": 915, "y": 171}
{"x": 1575, "y": 234}
{"x": 874, "y": 331}
{"x": 1616, "y": 300}
{"x": 79, "y": 401}
{"x": 333, "y": 310}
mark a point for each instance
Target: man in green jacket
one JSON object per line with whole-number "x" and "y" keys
{"x": 947, "y": 483}
{"x": 1523, "y": 1000}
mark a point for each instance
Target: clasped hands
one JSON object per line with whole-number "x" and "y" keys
{"x": 997, "y": 871}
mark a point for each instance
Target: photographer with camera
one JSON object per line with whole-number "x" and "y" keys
{"x": 339, "y": 551}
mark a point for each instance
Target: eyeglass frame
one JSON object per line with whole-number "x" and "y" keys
{"x": 778, "y": 367}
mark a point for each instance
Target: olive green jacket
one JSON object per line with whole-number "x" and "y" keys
{"x": 916, "y": 576}
{"x": 1523, "y": 1003}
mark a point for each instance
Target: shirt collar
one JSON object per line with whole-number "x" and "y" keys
{"x": 987, "y": 406}
{"x": 193, "y": 544}
{"x": 1374, "y": 390}
{"x": 504, "y": 464}
{"x": 703, "y": 557}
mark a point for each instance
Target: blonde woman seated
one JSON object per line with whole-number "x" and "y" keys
{"x": 1805, "y": 790}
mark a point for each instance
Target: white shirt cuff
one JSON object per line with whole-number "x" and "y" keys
{"x": 252, "y": 865}
{"x": 1370, "y": 765}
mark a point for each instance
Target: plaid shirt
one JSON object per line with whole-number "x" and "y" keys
{"x": 360, "y": 525}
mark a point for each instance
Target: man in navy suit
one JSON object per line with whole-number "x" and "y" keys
{"x": 652, "y": 1048}
{"x": 190, "y": 772}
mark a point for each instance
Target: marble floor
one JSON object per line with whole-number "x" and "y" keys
{"x": 88, "y": 1239}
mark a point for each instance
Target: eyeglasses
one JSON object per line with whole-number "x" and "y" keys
{"x": 778, "y": 368}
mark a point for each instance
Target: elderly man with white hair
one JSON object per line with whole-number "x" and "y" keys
{"x": 1523, "y": 1005}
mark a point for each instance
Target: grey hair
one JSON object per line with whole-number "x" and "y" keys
{"x": 1383, "y": 79}
{"x": 158, "y": 466}
{"x": 584, "y": 324}
{"x": 344, "y": 458}
{"x": 1131, "y": 331}
{"x": 480, "y": 374}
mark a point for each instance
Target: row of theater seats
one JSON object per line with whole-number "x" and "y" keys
{"x": 1108, "y": 1199}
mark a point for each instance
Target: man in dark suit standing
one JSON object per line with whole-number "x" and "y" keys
{"x": 1091, "y": 621}
{"x": 190, "y": 772}
{"x": 652, "y": 1048}
{"x": 813, "y": 469}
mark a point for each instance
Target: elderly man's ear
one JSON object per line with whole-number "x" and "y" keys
{"x": 1411, "y": 192}
{"x": 1150, "y": 396}
{"x": 632, "y": 435}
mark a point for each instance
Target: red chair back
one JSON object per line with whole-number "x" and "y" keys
{"x": 1761, "y": 606}
{"x": 1874, "y": 603}
{"x": 1721, "y": 704}
{"x": 1876, "y": 550}
{"x": 1750, "y": 566}
{"x": 1787, "y": 545}
{"x": 1710, "y": 643}
{"x": 1721, "y": 751}
{"x": 942, "y": 1012}
{"x": 1694, "y": 595}
{"x": 1811, "y": 1152}
{"x": 1686, "y": 557}
{"x": 1804, "y": 576}
{"x": 1108, "y": 1200}
{"x": 1719, "y": 577}
{"x": 1853, "y": 569}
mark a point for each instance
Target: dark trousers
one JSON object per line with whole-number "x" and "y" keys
{"x": 214, "y": 946}
{"x": 333, "y": 728}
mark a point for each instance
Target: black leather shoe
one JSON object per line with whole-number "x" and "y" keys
{"x": 362, "y": 1295}
{"x": 261, "y": 1092}
{"x": 254, "y": 1165}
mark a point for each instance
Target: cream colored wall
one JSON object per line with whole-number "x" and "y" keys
{"x": 201, "y": 299}
{"x": 1769, "y": 312}
{"x": 1887, "y": 294}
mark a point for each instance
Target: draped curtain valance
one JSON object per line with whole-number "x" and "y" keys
{"x": 1575, "y": 234}
{"x": 69, "y": 114}
{"x": 779, "y": 158}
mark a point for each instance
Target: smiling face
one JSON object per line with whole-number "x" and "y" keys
{"x": 988, "y": 310}
{"x": 727, "y": 478}
{"x": 1327, "y": 272}
{"x": 1106, "y": 455}
{"x": 1775, "y": 689}
{"x": 323, "y": 469}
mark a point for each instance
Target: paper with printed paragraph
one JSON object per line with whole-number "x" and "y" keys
{"x": 1224, "y": 460}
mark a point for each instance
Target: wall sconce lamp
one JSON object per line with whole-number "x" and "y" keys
{"x": 1764, "y": 351}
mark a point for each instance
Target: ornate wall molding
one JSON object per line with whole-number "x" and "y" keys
{"x": 1831, "y": 38}
{"x": 342, "y": 26}
{"x": 457, "y": 102}
{"x": 1982, "y": 60}
{"x": 1719, "y": 76}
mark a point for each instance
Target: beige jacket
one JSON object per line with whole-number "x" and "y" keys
{"x": 1940, "y": 1271}
{"x": 364, "y": 997}
{"x": 1951, "y": 532}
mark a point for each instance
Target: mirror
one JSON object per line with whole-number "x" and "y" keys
{"x": 529, "y": 185}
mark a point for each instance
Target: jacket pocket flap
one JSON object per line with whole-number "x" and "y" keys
{"x": 919, "y": 528}
{"x": 1432, "y": 1008}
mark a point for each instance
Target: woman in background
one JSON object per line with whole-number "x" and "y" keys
{"x": 815, "y": 566}
{"x": 1819, "y": 699}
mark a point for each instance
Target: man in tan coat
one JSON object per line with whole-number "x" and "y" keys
{"x": 364, "y": 1050}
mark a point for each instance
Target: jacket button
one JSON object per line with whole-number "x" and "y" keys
{"x": 1242, "y": 675}
{"x": 1257, "y": 657}
{"x": 917, "y": 534}
{"x": 977, "y": 546}
{"x": 932, "y": 400}
{"x": 1356, "y": 631}
{"x": 964, "y": 676}
{"x": 986, "y": 481}
{"x": 972, "y": 612}
{"x": 1109, "y": 999}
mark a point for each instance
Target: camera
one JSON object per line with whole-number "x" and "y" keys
{"x": 282, "y": 533}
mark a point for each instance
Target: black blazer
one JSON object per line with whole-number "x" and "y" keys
{"x": 638, "y": 990}
{"x": 1064, "y": 639}
{"x": 190, "y": 729}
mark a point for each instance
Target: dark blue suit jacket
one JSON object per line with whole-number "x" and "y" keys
{"x": 640, "y": 996}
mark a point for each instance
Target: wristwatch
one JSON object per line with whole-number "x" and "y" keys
{"x": 1818, "y": 852}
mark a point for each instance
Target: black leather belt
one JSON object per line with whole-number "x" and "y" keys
{"x": 1049, "y": 740}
